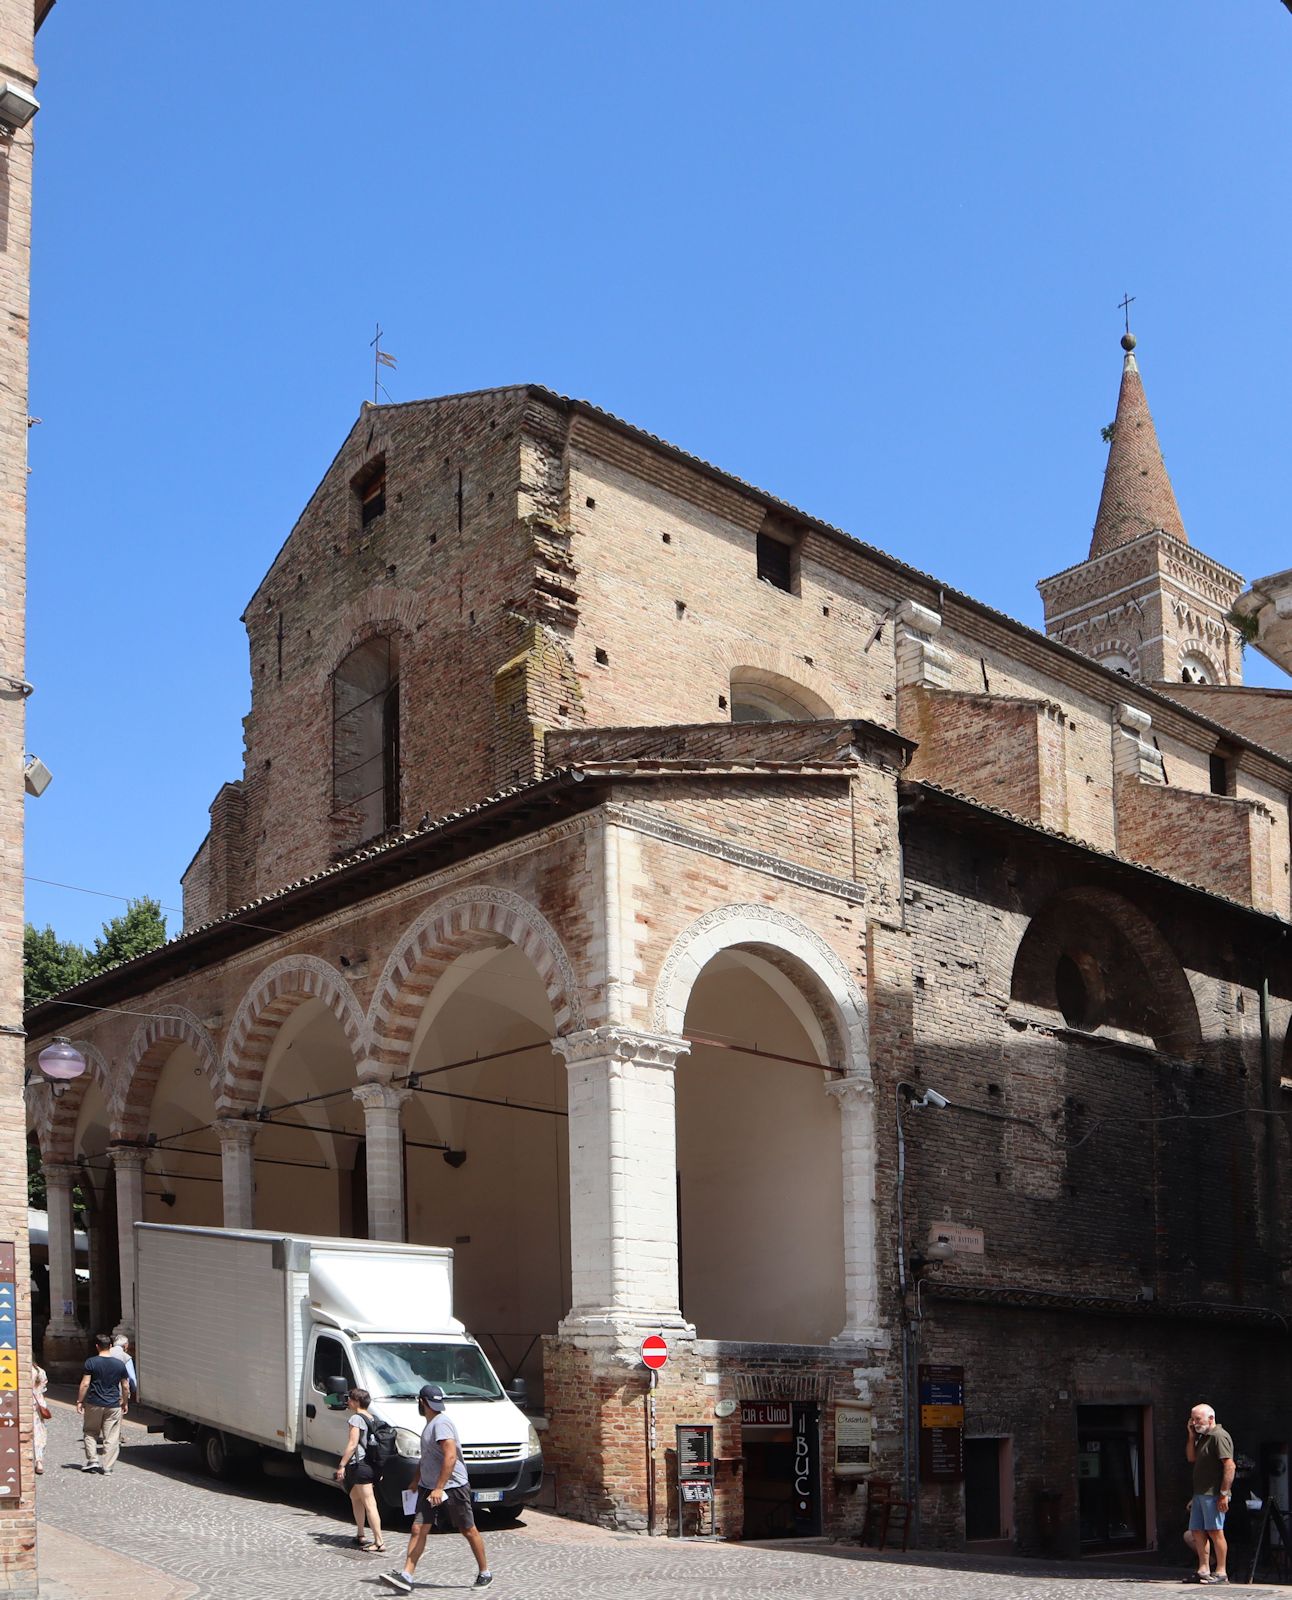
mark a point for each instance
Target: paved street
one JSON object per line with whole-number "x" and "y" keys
{"x": 159, "y": 1529}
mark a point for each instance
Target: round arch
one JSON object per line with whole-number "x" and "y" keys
{"x": 829, "y": 987}
{"x": 1095, "y": 958}
{"x": 446, "y": 930}
{"x": 755, "y": 662}
{"x": 152, "y": 1046}
{"x": 56, "y": 1117}
{"x": 263, "y": 1010}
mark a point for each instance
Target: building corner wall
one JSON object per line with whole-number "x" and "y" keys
{"x": 17, "y": 1512}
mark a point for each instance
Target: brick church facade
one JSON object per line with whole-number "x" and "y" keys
{"x": 650, "y": 849}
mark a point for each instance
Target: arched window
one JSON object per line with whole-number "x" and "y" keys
{"x": 1195, "y": 668}
{"x": 760, "y": 696}
{"x": 1116, "y": 662}
{"x": 365, "y": 742}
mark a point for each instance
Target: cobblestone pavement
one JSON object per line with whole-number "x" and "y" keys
{"x": 159, "y": 1529}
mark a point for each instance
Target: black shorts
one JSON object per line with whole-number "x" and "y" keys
{"x": 454, "y": 1510}
{"x": 359, "y": 1472}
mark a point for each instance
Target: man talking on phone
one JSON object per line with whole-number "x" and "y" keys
{"x": 1211, "y": 1452}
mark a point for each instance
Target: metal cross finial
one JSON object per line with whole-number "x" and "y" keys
{"x": 1124, "y": 305}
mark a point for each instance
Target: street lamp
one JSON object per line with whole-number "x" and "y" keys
{"x": 60, "y": 1063}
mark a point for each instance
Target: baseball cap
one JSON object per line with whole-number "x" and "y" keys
{"x": 432, "y": 1396}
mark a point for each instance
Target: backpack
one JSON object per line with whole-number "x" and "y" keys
{"x": 380, "y": 1449}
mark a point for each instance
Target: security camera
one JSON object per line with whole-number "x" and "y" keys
{"x": 932, "y": 1098}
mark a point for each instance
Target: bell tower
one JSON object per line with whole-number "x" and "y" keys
{"x": 1145, "y": 602}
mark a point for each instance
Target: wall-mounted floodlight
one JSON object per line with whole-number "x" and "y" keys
{"x": 17, "y": 106}
{"x": 60, "y": 1063}
{"x": 36, "y": 776}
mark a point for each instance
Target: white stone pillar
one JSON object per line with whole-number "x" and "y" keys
{"x": 623, "y": 1181}
{"x": 64, "y": 1336}
{"x": 128, "y": 1163}
{"x": 855, "y": 1097}
{"x": 383, "y": 1137}
{"x": 238, "y": 1170}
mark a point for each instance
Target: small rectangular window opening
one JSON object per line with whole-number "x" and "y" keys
{"x": 1221, "y": 774}
{"x": 370, "y": 489}
{"x": 776, "y": 562}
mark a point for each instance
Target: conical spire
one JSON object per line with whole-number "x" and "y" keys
{"x": 1137, "y": 495}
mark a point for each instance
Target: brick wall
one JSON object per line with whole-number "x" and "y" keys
{"x": 1223, "y": 844}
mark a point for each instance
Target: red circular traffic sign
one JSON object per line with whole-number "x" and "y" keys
{"x": 654, "y": 1352}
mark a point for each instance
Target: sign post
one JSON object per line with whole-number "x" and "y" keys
{"x": 942, "y": 1424}
{"x": 654, "y": 1355}
{"x": 10, "y": 1449}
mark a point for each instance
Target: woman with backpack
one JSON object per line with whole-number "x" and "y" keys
{"x": 357, "y": 1472}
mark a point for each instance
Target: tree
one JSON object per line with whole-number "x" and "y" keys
{"x": 51, "y": 964}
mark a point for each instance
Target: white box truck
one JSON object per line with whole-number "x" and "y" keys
{"x": 247, "y": 1342}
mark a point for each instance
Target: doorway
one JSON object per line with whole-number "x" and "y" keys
{"x": 989, "y": 1492}
{"x": 1111, "y": 1477}
{"x": 781, "y": 1442}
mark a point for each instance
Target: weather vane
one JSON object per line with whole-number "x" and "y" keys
{"x": 380, "y": 359}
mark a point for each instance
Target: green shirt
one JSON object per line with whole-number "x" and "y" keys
{"x": 1209, "y": 1451}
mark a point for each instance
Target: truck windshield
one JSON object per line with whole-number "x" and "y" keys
{"x": 398, "y": 1371}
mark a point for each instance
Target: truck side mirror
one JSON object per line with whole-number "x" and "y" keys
{"x": 518, "y": 1392}
{"x": 336, "y": 1386}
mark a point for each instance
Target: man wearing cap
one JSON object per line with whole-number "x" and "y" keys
{"x": 441, "y": 1481}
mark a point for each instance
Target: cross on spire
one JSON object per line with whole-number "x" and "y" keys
{"x": 1125, "y": 303}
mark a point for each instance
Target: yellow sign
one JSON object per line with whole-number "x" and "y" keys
{"x": 942, "y": 1416}
{"x": 8, "y": 1381}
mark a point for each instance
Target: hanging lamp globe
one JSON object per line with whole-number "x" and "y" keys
{"x": 60, "y": 1063}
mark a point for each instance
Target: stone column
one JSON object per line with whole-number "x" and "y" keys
{"x": 65, "y": 1338}
{"x": 384, "y": 1139}
{"x": 238, "y": 1170}
{"x": 623, "y": 1182}
{"x": 128, "y": 1162}
{"x": 855, "y": 1097}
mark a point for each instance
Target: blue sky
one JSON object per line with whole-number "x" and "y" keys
{"x": 866, "y": 255}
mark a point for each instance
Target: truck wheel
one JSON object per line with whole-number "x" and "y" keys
{"x": 215, "y": 1453}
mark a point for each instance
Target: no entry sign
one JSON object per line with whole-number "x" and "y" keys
{"x": 654, "y": 1352}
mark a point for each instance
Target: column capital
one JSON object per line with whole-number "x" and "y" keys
{"x": 236, "y": 1133}
{"x": 377, "y": 1096}
{"x": 61, "y": 1174}
{"x": 614, "y": 1043}
{"x": 856, "y": 1086}
{"x": 129, "y": 1157}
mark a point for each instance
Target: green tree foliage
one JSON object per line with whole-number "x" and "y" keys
{"x": 51, "y": 964}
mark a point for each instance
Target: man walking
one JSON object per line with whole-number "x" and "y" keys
{"x": 441, "y": 1480}
{"x": 102, "y": 1400}
{"x": 1211, "y": 1451}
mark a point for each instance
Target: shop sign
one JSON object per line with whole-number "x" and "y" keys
{"x": 853, "y": 1435}
{"x": 942, "y": 1416}
{"x": 765, "y": 1413}
{"x": 807, "y": 1464}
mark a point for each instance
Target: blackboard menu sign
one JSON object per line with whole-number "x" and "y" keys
{"x": 694, "y": 1454}
{"x": 942, "y": 1423}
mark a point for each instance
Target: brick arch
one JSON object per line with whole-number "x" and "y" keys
{"x": 1119, "y": 647}
{"x": 377, "y": 611}
{"x": 1132, "y": 978}
{"x": 802, "y": 954}
{"x": 56, "y": 1116}
{"x": 454, "y": 924}
{"x": 771, "y": 664}
{"x": 263, "y": 1010}
{"x": 151, "y": 1048}
{"x": 1195, "y": 647}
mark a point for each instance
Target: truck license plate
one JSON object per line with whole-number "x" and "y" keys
{"x": 486, "y": 1496}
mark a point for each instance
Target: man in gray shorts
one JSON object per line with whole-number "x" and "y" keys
{"x": 441, "y": 1481}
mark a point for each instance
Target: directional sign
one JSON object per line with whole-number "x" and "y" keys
{"x": 10, "y": 1442}
{"x": 654, "y": 1352}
